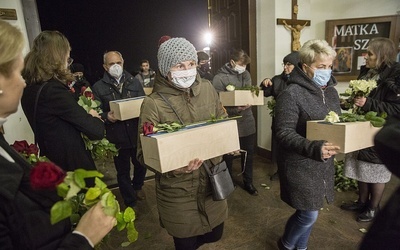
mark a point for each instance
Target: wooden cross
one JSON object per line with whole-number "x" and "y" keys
{"x": 294, "y": 25}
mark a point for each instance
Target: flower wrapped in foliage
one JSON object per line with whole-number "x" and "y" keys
{"x": 230, "y": 87}
{"x": 373, "y": 117}
{"x": 100, "y": 149}
{"x": 71, "y": 186}
{"x": 149, "y": 128}
{"x": 87, "y": 100}
{"x": 357, "y": 88}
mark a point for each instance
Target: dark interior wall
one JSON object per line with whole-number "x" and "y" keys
{"x": 132, "y": 27}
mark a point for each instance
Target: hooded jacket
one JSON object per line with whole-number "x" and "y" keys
{"x": 227, "y": 76}
{"x": 305, "y": 177}
{"x": 184, "y": 201}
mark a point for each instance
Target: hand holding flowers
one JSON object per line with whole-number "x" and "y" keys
{"x": 356, "y": 93}
{"x": 78, "y": 199}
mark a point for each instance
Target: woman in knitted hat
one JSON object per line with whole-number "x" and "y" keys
{"x": 273, "y": 87}
{"x": 184, "y": 199}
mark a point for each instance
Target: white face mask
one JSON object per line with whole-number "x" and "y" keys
{"x": 184, "y": 78}
{"x": 115, "y": 70}
{"x": 240, "y": 69}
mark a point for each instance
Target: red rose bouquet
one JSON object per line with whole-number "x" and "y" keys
{"x": 71, "y": 186}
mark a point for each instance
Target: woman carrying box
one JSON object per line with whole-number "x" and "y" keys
{"x": 306, "y": 172}
{"x": 184, "y": 199}
{"x": 368, "y": 169}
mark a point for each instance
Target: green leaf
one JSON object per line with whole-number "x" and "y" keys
{"x": 132, "y": 233}
{"x": 62, "y": 189}
{"x": 92, "y": 193}
{"x": 129, "y": 214}
{"x": 125, "y": 244}
{"x": 59, "y": 211}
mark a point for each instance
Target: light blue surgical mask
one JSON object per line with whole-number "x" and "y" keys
{"x": 322, "y": 76}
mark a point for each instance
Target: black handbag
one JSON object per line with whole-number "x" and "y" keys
{"x": 221, "y": 180}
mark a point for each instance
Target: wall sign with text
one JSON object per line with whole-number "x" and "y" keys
{"x": 350, "y": 39}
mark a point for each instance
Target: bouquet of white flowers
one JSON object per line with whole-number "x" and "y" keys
{"x": 357, "y": 88}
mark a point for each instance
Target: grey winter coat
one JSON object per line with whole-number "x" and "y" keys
{"x": 305, "y": 177}
{"x": 184, "y": 201}
{"x": 227, "y": 76}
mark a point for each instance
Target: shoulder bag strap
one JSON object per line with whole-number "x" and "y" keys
{"x": 176, "y": 113}
{"x": 35, "y": 110}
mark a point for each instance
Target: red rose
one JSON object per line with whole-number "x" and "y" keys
{"x": 148, "y": 128}
{"x": 46, "y": 175}
{"x": 89, "y": 94}
{"x": 32, "y": 149}
{"x": 83, "y": 89}
{"x": 20, "y": 146}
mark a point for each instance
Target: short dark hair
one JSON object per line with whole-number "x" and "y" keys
{"x": 240, "y": 55}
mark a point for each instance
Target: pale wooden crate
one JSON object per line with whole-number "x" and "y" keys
{"x": 169, "y": 151}
{"x": 125, "y": 109}
{"x": 241, "y": 98}
{"x": 349, "y": 136}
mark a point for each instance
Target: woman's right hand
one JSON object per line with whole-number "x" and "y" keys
{"x": 328, "y": 150}
{"x": 193, "y": 165}
{"x": 95, "y": 224}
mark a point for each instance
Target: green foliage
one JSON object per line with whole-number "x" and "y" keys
{"x": 78, "y": 198}
{"x": 100, "y": 149}
{"x": 376, "y": 121}
{"x": 342, "y": 183}
{"x": 254, "y": 89}
{"x": 168, "y": 127}
{"x": 271, "y": 106}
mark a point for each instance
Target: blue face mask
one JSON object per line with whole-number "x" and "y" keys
{"x": 322, "y": 76}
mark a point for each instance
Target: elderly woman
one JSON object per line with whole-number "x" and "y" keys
{"x": 53, "y": 114}
{"x": 24, "y": 212}
{"x": 184, "y": 199}
{"x": 367, "y": 168}
{"x": 307, "y": 171}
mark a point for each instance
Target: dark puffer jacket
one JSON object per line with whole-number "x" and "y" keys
{"x": 122, "y": 133}
{"x": 385, "y": 98}
{"x": 305, "y": 177}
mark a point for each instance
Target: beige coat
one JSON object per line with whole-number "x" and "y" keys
{"x": 184, "y": 201}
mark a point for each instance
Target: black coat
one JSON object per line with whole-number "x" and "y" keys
{"x": 24, "y": 213}
{"x": 384, "y": 98}
{"x": 122, "y": 133}
{"x": 59, "y": 124}
{"x": 384, "y": 232}
{"x": 305, "y": 177}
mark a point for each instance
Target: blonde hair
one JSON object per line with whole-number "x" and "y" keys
{"x": 314, "y": 49}
{"x": 384, "y": 49}
{"x": 11, "y": 46}
{"x": 47, "y": 59}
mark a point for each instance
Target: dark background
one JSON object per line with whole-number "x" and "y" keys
{"x": 133, "y": 27}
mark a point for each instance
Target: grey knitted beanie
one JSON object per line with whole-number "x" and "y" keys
{"x": 174, "y": 51}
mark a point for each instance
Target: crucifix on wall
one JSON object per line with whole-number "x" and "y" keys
{"x": 294, "y": 25}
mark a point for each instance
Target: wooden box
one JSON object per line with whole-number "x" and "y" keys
{"x": 349, "y": 136}
{"x": 126, "y": 109}
{"x": 241, "y": 98}
{"x": 165, "y": 152}
{"x": 148, "y": 90}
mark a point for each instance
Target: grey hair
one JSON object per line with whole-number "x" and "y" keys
{"x": 314, "y": 49}
{"x": 113, "y": 51}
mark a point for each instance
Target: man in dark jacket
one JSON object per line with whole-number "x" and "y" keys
{"x": 119, "y": 84}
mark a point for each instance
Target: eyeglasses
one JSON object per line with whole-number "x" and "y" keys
{"x": 70, "y": 61}
{"x": 286, "y": 64}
